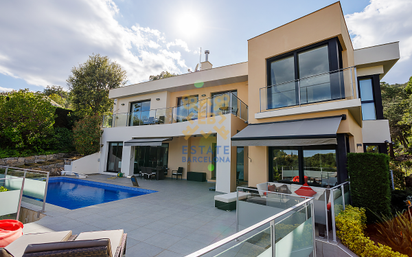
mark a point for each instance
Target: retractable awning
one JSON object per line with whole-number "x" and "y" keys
{"x": 319, "y": 131}
{"x": 146, "y": 142}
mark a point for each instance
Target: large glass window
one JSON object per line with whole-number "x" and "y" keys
{"x": 240, "y": 165}
{"x": 140, "y": 113}
{"x": 151, "y": 156}
{"x": 313, "y": 165}
{"x": 187, "y": 108}
{"x": 367, "y": 99}
{"x": 285, "y": 163}
{"x": 314, "y": 62}
{"x": 305, "y": 76}
{"x": 282, "y": 92}
{"x": 319, "y": 167}
{"x": 114, "y": 160}
{"x": 224, "y": 102}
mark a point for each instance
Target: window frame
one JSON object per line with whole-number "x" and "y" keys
{"x": 335, "y": 63}
{"x": 131, "y": 113}
{"x": 376, "y": 91}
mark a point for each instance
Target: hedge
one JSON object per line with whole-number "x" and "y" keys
{"x": 370, "y": 183}
{"x": 351, "y": 224}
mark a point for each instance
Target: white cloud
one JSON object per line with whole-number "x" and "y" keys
{"x": 383, "y": 21}
{"x": 42, "y": 41}
{"x": 5, "y": 89}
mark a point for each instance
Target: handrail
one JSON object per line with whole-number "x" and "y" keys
{"x": 245, "y": 231}
{"x": 23, "y": 169}
{"x": 24, "y": 177}
{"x": 311, "y": 76}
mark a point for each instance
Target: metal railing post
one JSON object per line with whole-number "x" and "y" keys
{"x": 343, "y": 196}
{"x": 333, "y": 216}
{"x": 5, "y": 172}
{"x": 45, "y": 193}
{"x": 273, "y": 237}
{"x": 326, "y": 212}
{"x": 21, "y": 195}
{"x": 237, "y": 210}
{"x": 312, "y": 214}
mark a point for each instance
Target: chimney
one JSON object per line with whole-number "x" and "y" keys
{"x": 206, "y": 65}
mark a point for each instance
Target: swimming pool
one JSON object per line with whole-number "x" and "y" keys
{"x": 74, "y": 193}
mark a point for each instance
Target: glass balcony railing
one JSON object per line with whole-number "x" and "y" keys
{"x": 285, "y": 230}
{"x": 209, "y": 107}
{"x": 322, "y": 87}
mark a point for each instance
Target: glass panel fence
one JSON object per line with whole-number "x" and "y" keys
{"x": 10, "y": 195}
{"x": 122, "y": 120}
{"x": 294, "y": 233}
{"x": 287, "y": 233}
{"x": 35, "y": 185}
{"x": 256, "y": 205}
{"x": 326, "y": 86}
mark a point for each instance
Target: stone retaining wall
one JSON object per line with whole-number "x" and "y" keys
{"x": 19, "y": 161}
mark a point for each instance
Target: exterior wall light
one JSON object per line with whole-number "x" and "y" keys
{"x": 122, "y": 104}
{"x": 157, "y": 99}
{"x": 203, "y": 95}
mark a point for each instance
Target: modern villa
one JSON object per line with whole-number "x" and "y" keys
{"x": 291, "y": 113}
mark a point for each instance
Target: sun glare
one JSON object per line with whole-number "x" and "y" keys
{"x": 188, "y": 24}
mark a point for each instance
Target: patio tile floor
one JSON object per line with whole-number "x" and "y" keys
{"x": 177, "y": 220}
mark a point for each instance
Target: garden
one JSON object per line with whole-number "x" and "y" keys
{"x": 379, "y": 222}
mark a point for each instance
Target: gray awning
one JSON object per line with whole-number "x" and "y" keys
{"x": 320, "y": 131}
{"x": 146, "y": 142}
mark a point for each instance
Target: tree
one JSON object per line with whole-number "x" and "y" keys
{"x": 58, "y": 94}
{"x": 162, "y": 75}
{"x": 90, "y": 84}
{"x": 26, "y": 121}
{"x": 395, "y": 101}
{"x": 86, "y": 134}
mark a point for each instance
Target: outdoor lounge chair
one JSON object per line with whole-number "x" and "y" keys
{"x": 64, "y": 244}
{"x": 78, "y": 175}
{"x": 178, "y": 172}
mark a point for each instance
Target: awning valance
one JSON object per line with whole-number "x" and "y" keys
{"x": 319, "y": 131}
{"x": 146, "y": 142}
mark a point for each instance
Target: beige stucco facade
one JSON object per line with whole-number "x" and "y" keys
{"x": 247, "y": 79}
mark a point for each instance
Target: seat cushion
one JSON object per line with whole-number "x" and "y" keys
{"x": 231, "y": 197}
{"x": 115, "y": 237}
{"x": 305, "y": 190}
{"x": 284, "y": 189}
{"x": 17, "y": 247}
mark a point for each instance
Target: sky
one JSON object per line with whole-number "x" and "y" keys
{"x": 42, "y": 40}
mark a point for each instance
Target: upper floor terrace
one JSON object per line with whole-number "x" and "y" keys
{"x": 190, "y": 108}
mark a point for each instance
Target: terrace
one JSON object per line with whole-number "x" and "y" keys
{"x": 190, "y": 109}
{"x": 180, "y": 219}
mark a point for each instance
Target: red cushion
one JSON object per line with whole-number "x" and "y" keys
{"x": 305, "y": 190}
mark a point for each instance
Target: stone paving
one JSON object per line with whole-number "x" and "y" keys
{"x": 177, "y": 220}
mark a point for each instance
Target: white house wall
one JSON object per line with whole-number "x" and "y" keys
{"x": 122, "y": 134}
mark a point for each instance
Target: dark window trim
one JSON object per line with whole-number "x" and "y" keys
{"x": 108, "y": 153}
{"x": 140, "y": 101}
{"x": 377, "y": 97}
{"x": 383, "y": 148}
{"x": 340, "y": 162}
{"x": 335, "y": 60}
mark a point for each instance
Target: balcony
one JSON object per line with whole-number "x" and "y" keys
{"x": 209, "y": 107}
{"x": 334, "y": 85}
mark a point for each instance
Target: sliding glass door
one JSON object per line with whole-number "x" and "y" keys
{"x": 114, "y": 160}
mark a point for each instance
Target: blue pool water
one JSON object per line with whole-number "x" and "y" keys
{"x": 74, "y": 193}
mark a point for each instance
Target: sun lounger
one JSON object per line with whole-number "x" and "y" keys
{"x": 111, "y": 243}
{"x": 78, "y": 175}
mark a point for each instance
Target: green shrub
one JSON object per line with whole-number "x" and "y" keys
{"x": 370, "y": 183}
{"x": 26, "y": 121}
{"x": 63, "y": 140}
{"x": 351, "y": 224}
{"x": 3, "y": 189}
{"x": 86, "y": 134}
